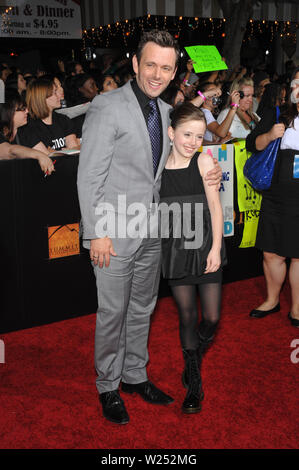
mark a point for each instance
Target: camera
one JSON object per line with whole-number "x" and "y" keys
{"x": 216, "y": 100}
{"x": 241, "y": 93}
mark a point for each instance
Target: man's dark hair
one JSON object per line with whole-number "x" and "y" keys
{"x": 161, "y": 38}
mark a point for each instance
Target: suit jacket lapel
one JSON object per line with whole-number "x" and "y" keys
{"x": 166, "y": 146}
{"x": 141, "y": 128}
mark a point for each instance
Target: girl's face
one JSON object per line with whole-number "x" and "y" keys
{"x": 187, "y": 137}
{"x": 109, "y": 84}
{"x": 89, "y": 89}
{"x": 59, "y": 90}
{"x": 21, "y": 83}
{"x": 246, "y": 102}
{"x": 53, "y": 101}
{"x": 295, "y": 89}
{"x": 20, "y": 117}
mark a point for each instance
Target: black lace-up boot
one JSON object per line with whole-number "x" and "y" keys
{"x": 192, "y": 402}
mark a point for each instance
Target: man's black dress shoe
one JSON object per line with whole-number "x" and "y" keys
{"x": 294, "y": 321}
{"x": 113, "y": 407}
{"x": 149, "y": 392}
{"x": 263, "y": 313}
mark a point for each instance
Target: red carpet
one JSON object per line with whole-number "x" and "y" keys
{"x": 49, "y": 400}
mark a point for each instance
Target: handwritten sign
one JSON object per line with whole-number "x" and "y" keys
{"x": 251, "y": 220}
{"x": 206, "y": 58}
{"x": 248, "y": 197}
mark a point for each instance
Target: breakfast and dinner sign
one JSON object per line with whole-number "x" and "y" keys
{"x": 43, "y": 19}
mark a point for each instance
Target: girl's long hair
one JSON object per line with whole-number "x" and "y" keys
{"x": 13, "y": 101}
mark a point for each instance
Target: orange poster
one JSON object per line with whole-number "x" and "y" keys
{"x": 63, "y": 240}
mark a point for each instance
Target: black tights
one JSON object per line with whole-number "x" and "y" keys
{"x": 186, "y": 300}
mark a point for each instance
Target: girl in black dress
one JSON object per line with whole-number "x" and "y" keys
{"x": 198, "y": 268}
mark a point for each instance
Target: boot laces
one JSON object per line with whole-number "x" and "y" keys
{"x": 194, "y": 374}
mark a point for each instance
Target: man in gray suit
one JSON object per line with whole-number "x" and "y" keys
{"x": 124, "y": 149}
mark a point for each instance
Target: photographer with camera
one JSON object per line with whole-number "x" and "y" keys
{"x": 216, "y": 133}
{"x": 244, "y": 119}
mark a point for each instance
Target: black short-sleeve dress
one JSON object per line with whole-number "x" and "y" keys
{"x": 183, "y": 265}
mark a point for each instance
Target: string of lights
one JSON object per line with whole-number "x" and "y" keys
{"x": 128, "y": 31}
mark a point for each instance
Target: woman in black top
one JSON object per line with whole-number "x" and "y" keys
{"x": 13, "y": 115}
{"x": 278, "y": 229}
{"x": 46, "y": 130}
{"x": 267, "y": 129}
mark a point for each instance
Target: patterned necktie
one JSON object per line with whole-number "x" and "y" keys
{"x": 153, "y": 125}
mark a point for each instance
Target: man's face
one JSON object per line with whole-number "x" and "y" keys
{"x": 156, "y": 69}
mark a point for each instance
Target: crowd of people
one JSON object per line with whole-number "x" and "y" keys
{"x": 159, "y": 111}
{"x": 231, "y": 100}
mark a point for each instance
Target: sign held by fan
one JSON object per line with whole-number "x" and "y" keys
{"x": 205, "y": 58}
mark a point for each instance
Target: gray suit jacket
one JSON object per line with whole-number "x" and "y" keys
{"x": 116, "y": 159}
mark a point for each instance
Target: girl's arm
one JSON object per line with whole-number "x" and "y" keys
{"x": 9, "y": 151}
{"x": 205, "y": 163}
{"x": 71, "y": 142}
{"x": 40, "y": 147}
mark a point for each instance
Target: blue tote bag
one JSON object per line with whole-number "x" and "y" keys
{"x": 259, "y": 168}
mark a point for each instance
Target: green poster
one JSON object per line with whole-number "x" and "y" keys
{"x": 251, "y": 220}
{"x": 206, "y": 58}
{"x": 248, "y": 198}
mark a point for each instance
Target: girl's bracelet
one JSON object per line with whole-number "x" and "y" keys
{"x": 202, "y": 96}
{"x": 234, "y": 105}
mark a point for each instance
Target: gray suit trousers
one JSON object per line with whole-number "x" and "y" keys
{"x": 127, "y": 294}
